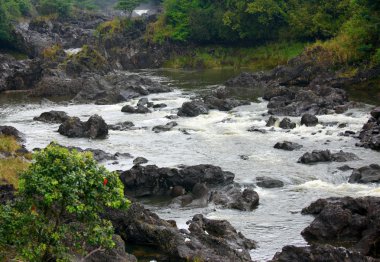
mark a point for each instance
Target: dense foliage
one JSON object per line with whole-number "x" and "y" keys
{"x": 57, "y": 210}
{"x": 354, "y": 23}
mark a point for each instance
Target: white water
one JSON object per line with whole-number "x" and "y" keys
{"x": 219, "y": 138}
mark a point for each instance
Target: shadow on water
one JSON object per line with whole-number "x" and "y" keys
{"x": 200, "y": 81}
{"x": 366, "y": 92}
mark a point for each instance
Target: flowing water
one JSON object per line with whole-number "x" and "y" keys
{"x": 219, "y": 139}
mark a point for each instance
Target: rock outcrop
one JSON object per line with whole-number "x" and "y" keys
{"x": 95, "y": 128}
{"x": 366, "y": 175}
{"x": 326, "y": 156}
{"x": 351, "y": 222}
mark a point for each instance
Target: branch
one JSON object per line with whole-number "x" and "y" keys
{"x": 91, "y": 253}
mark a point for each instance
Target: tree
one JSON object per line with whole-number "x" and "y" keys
{"x": 128, "y": 6}
{"x": 58, "y": 208}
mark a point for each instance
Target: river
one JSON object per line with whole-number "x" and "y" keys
{"x": 219, "y": 139}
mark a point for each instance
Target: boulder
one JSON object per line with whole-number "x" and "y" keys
{"x": 135, "y": 110}
{"x": 95, "y": 128}
{"x": 164, "y": 128}
{"x": 350, "y": 222}
{"x": 271, "y": 121}
{"x": 309, "y": 120}
{"x": 286, "y": 123}
{"x": 11, "y": 131}
{"x": 266, "y": 182}
{"x": 206, "y": 240}
{"x": 288, "y": 146}
{"x": 123, "y": 126}
{"x": 370, "y": 134}
{"x": 56, "y": 117}
{"x": 366, "y": 175}
{"x": 235, "y": 198}
{"x": 319, "y": 253}
{"x": 140, "y": 161}
{"x": 220, "y": 104}
{"x": 193, "y": 109}
{"x": 326, "y": 156}
{"x": 151, "y": 180}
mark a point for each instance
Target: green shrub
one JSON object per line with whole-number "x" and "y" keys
{"x": 57, "y": 210}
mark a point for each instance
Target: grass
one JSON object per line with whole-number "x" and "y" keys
{"x": 10, "y": 168}
{"x": 256, "y": 58}
{"x": 8, "y": 144}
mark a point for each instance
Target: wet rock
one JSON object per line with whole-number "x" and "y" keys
{"x": 370, "y": 134}
{"x": 57, "y": 117}
{"x": 140, "y": 161}
{"x": 235, "y": 198}
{"x": 244, "y": 157}
{"x": 309, "y": 120}
{"x": 7, "y": 193}
{"x": 95, "y": 128}
{"x": 172, "y": 117}
{"x": 153, "y": 181}
{"x": 117, "y": 87}
{"x": 343, "y": 125}
{"x": 350, "y": 222}
{"x": 267, "y": 182}
{"x": 366, "y": 175}
{"x": 272, "y": 121}
{"x": 226, "y": 104}
{"x": 319, "y": 253}
{"x": 345, "y": 168}
{"x": 288, "y": 146}
{"x": 207, "y": 240}
{"x": 135, "y": 110}
{"x": 254, "y": 129}
{"x": 11, "y": 131}
{"x": 193, "y": 109}
{"x": 116, "y": 254}
{"x": 286, "y": 123}
{"x": 177, "y": 191}
{"x": 164, "y": 128}
{"x": 326, "y": 156}
{"x": 124, "y": 126}
{"x": 143, "y": 102}
{"x": 160, "y": 106}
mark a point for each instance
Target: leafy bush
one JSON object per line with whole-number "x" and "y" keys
{"x": 57, "y": 210}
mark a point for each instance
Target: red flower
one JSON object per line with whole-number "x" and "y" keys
{"x": 105, "y": 181}
{"x": 33, "y": 208}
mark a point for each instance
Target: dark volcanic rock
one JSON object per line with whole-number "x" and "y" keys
{"x": 116, "y": 254}
{"x": 288, "y": 146}
{"x": 370, "y": 133}
{"x": 271, "y": 121}
{"x": 11, "y": 131}
{"x": 366, "y": 174}
{"x": 354, "y": 223}
{"x": 117, "y": 87}
{"x": 309, "y": 120}
{"x": 319, "y": 253}
{"x": 227, "y": 104}
{"x": 267, "y": 182}
{"x": 287, "y": 124}
{"x": 326, "y": 156}
{"x": 95, "y": 127}
{"x": 208, "y": 240}
{"x": 135, "y": 110}
{"x": 254, "y": 129}
{"x": 18, "y": 75}
{"x": 140, "y": 161}
{"x": 124, "y": 126}
{"x": 153, "y": 181}
{"x": 236, "y": 198}
{"x": 193, "y": 108}
{"x": 57, "y": 117}
{"x": 164, "y": 128}
{"x": 7, "y": 193}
